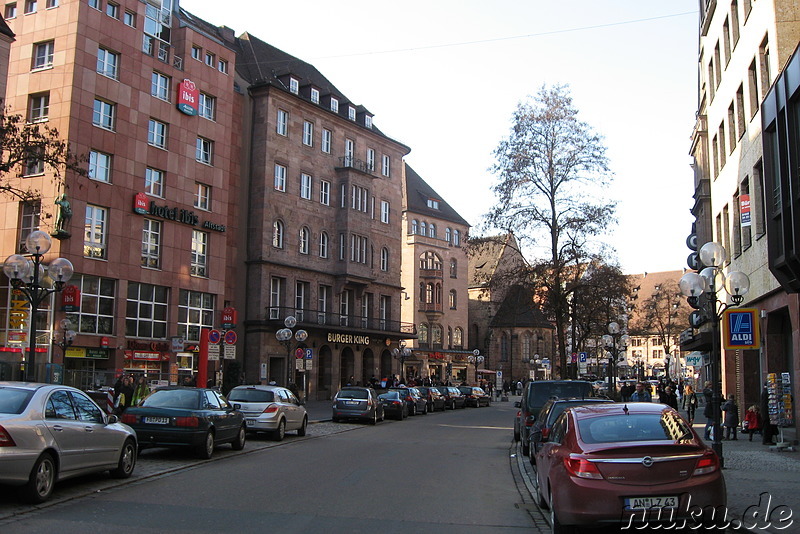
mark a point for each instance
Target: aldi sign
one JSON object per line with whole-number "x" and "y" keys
{"x": 740, "y": 328}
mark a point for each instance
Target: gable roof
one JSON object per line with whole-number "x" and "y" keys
{"x": 485, "y": 254}
{"x": 418, "y": 191}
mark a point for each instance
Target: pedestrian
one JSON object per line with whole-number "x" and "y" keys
{"x": 124, "y": 397}
{"x": 731, "y": 420}
{"x": 752, "y": 421}
{"x": 519, "y": 388}
{"x": 641, "y": 395}
{"x": 141, "y": 391}
{"x": 690, "y": 403}
{"x": 626, "y": 391}
{"x": 669, "y": 398}
{"x": 708, "y": 411}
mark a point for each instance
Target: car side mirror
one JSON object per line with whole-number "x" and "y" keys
{"x": 237, "y": 406}
{"x": 112, "y": 419}
{"x": 517, "y": 404}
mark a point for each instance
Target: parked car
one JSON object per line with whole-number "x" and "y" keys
{"x": 540, "y": 430}
{"x": 49, "y": 433}
{"x": 433, "y": 397}
{"x": 271, "y": 409}
{"x": 412, "y": 396}
{"x": 535, "y": 394}
{"x": 452, "y": 396}
{"x": 394, "y": 405}
{"x": 195, "y": 418}
{"x": 606, "y": 462}
{"x": 354, "y": 402}
{"x": 474, "y": 396}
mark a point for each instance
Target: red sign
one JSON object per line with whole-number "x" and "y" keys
{"x": 104, "y": 342}
{"x": 140, "y": 204}
{"x": 188, "y": 97}
{"x": 71, "y": 299}
{"x": 229, "y": 318}
{"x": 230, "y": 337}
{"x": 744, "y": 209}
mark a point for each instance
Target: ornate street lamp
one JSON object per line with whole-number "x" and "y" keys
{"x": 27, "y": 276}
{"x": 402, "y": 354}
{"x": 701, "y": 291}
{"x": 475, "y": 359}
{"x": 616, "y": 342}
{"x": 284, "y": 335}
{"x": 67, "y": 337}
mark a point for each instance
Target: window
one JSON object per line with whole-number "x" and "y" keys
{"x": 146, "y": 311}
{"x": 423, "y": 228}
{"x": 107, "y": 63}
{"x": 10, "y": 11}
{"x": 453, "y": 299}
{"x": 325, "y": 192}
{"x": 112, "y": 10}
{"x": 308, "y": 133}
{"x": 277, "y": 234}
{"x": 326, "y": 141}
{"x": 199, "y": 265}
{"x": 384, "y": 212}
{"x": 453, "y": 268}
{"x": 95, "y": 4}
{"x": 432, "y": 230}
{"x": 159, "y": 86}
{"x": 722, "y": 154}
{"x": 732, "y": 137}
{"x": 458, "y": 337}
{"x": 154, "y": 182}
{"x": 197, "y": 53}
{"x": 315, "y": 95}
{"x": 384, "y": 259}
{"x": 210, "y": 59}
{"x": 766, "y": 76}
{"x": 157, "y": 134}
{"x": 368, "y": 121}
{"x": 726, "y": 41}
{"x": 349, "y": 151}
{"x": 100, "y": 166}
{"x": 735, "y": 22}
{"x": 752, "y": 88}
{"x": 30, "y": 6}
{"x": 294, "y": 86}
{"x": 436, "y": 334}
{"x": 202, "y": 198}
{"x": 351, "y": 113}
{"x": 151, "y": 244}
{"x": 39, "y": 107}
{"x": 95, "y": 235}
{"x": 97, "y": 305}
{"x": 323, "y": 245}
{"x": 423, "y": 334}
{"x": 456, "y": 238}
{"x": 359, "y": 197}
{"x": 104, "y": 114}
{"x": 414, "y": 227}
{"x": 334, "y": 105}
{"x": 129, "y": 19}
{"x": 358, "y": 248}
{"x": 276, "y": 296}
{"x": 207, "y": 107}
{"x": 717, "y": 67}
{"x": 305, "y": 236}
{"x": 448, "y": 235}
{"x": 222, "y": 66}
{"x": 740, "y": 120}
{"x": 323, "y": 303}
{"x": 301, "y": 291}
{"x": 195, "y": 312}
{"x": 282, "y": 126}
{"x": 204, "y": 151}
{"x": 43, "y": 54}
{"x": 30, "y": 213}
{"x": 433, "y": 203}
{"x": 370, "y": 159}
{"x": 346, "y": 300}
{"x": 51, "y": 4}
{"x": 386, "y": 167}
{"x": 34, "y": 164}
{"x": 305, "y": 186}
{"x": 280, "y": 177}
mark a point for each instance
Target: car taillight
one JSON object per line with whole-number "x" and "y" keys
{"x": 545, "y": 433}
{"x": 582, "y": 468}
{"x": 397, "y": 402}
{"x": 529, "y": 420}
{"x": 272, "y": 408}
{"x": 5, "y": 439}
{"x": 707, "y": 464}
{"x": 409, "y": 398}
{"x": 129, "y": 419}
{"x": 187, "y": 421}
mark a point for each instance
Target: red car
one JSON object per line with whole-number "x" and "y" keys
{"x": 629, "y": 463}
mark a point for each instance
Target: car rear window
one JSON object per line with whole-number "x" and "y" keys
{"x": 540, "y": 393}
{"x": 251, "y": 395}
{"x": 187, "y": 399}
{"x": 392, "y": 395}
{"x": 634, "y": 427}
{"x": 14, "y": 400}
{"x": 559, "y": 407}
{"x": 353, "y": 394}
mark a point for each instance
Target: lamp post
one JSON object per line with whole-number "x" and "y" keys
{"x": 402, "y": 354}
{"x": 285, "y": 335}
{"x": 701, "y": 290}
{"x": 27, "y": 276}
{"x": 475, "y": 359}
{"x": 534, "y": 363}
{"x": 67, "y": 337}
{"x": 616, "y": 342}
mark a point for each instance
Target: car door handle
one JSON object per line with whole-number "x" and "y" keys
{"x": 58, "y": 428}
{"x": 88, "y": 429}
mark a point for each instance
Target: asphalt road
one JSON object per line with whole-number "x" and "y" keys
{"x": 452, "y": 470}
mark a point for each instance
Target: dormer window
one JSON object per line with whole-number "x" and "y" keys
{"x": 351, "y": 113}
{"x": 368, "y": 121}
{"x": 315, "y": 96}
{"x": 433, "y": 204}
{"x": 294, "y": 86}
{"x": 334, "y": 105}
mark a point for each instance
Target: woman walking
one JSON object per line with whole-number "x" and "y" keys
{"x": 690, "y": 403}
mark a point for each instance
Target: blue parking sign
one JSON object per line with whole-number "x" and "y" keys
{"x": 740, "y": 327}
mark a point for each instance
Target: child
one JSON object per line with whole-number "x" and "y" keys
{"x": 752, "y": 421}
{"x": 731, "y": 420}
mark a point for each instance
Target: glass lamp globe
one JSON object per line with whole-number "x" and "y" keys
{"x": 737, "y": 283}
{"x": 60, "y": 270}
{"x": 712, "y": 254}
{"x": 301, "y": 335}
{"x": 692, "y": 285}
{"x": 38, "y": 242}
{"x": 613, "y": 328}
{"x": 17, "y": 266}
{"x": 284, "y": 334}
{"x": 290, "y": 321}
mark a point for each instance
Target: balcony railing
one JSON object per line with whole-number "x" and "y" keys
{"x": 358, "y": 164}
{"x": 307, "y": 318}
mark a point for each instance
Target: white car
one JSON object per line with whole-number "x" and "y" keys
{"x": 50, "y": 432}
{"x": 271, "y": 409}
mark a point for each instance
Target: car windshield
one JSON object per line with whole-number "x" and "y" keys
{"x": 14, "y": 400}
{"x": 540, "y": 392}
{"x": 634, "y": 427}
{"x": 251, "y": 395}
{"x": 353, "y": 394}
{"x": 187, "y": 399}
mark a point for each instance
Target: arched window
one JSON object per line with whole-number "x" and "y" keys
{"x": 430, "y": 261}
{"x": 414, "y": 226}
{"x": 384, "y": 259}
{"x": 432, "y": 230}
{"x": 504, "y": 347}
{"x": 456, "y": 238}
{"x": 453, "y": 268}
{"x": 436, "y": 334}
{"x": 458, "y": 337}
{"x": 323, "y": 244}
{"x": 438, "y": 295}
{"x": 453, "y": 301}
{"x": 429, "y": 293}
{"x": 277, "y": 234}
{"x": 422, "y": 292}
{"x": 449, "y": 338}
{"x": 423, "y": 228}
{"x": 526, "y": 345}
{"x": 448, "y": 235}
{"x": 305, "y": 235}
{"x": 423, "y": 333}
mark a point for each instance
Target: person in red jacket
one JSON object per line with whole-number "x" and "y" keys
{"x": 752, "y": 421}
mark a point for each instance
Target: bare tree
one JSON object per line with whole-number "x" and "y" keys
{"x": 551, "y": 171}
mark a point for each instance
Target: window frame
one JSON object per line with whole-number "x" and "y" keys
{"x": 108, "y": 63}
{"x": 204, "y": 151}
{"x": 41, "y": 61}
{"x": 150, "y": 184}
{"x": 306, "y": 186}
{"x": 153, "y": 299}
{"x": 202, "y": 198}
{"x": 160, "y": 86}
{"x": 94, "y": 163}
{"x": 279, "y": 178}
{"x": 207, "y": 107}
{"x": 95, "y": 237}
{"x": 157, "y": 133}
{"x": 151, "y": 243}
{"x": 282, "y": 123}
{"x": 106, "y": 116}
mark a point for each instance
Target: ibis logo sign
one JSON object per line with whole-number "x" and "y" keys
{"x": 740, "y": 328}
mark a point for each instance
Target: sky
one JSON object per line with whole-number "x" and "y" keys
{"x": 444, "y": 77}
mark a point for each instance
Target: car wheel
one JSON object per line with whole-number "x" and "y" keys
{"x": 526, "y": 447}
{"x": 241, "y": 437}
{"x": 207, "y": 448}
{"x": 127, "y": 460}
{"x": 41, "y": 480}
{"x": 540, "y": 497}
{"x": 383, "y": 416}
{"x": 555, "y": 525}
{"x": 303, "y": 428}
{"x": 280, "y": 432}
{"x": 374, "y": 420}
{"x": 425, "y": 410}
{"x": 414, "y": 410}
{"x": 516, "y": 433}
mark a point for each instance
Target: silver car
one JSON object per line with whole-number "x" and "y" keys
{"x": 271, "y": 409}
{"x": 50, "y": 432}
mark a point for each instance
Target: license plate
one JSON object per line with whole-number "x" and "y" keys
{"x": 639, "y": 503}
{"x": 351, "y": 403}
{"x": 157, "y": 420}
{"x": 251, "y": 422}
